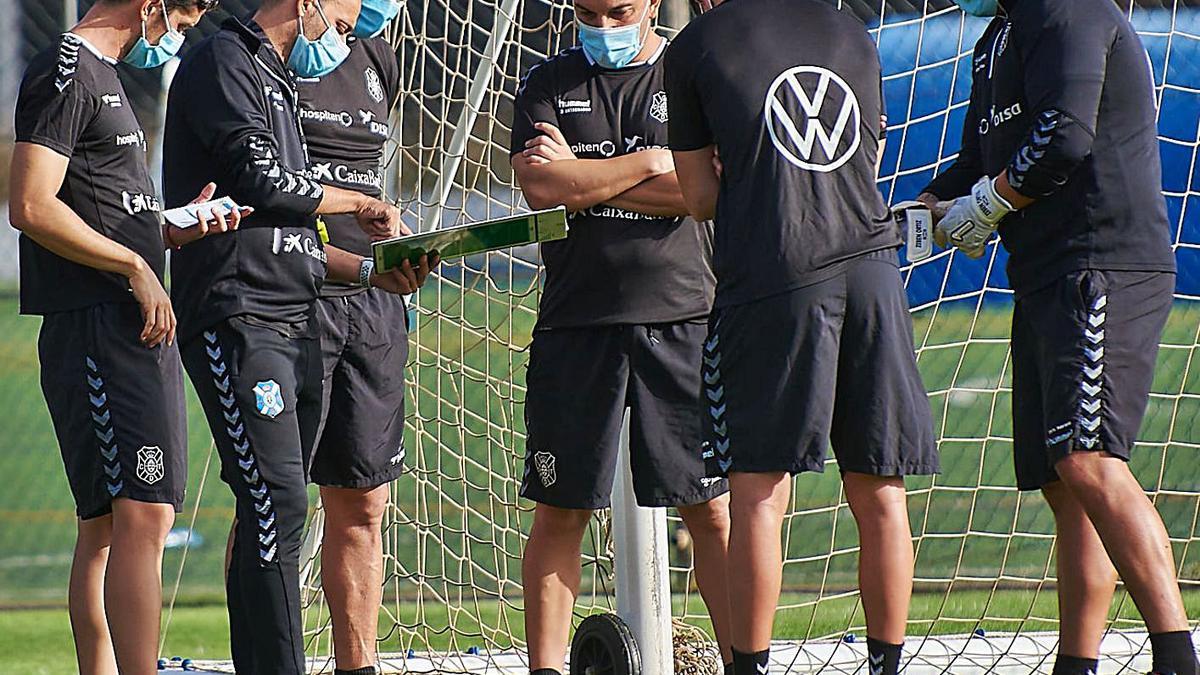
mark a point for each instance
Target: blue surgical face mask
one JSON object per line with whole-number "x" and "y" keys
{"x": 614, "y": 47}
{"x": 985, "y": 8}
{"x": 146, "y": 55}
{"x": 375, "y": 16}
{"x": 320, "y": 57}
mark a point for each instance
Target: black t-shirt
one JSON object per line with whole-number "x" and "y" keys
{"x": 1062, "y": 98}
{"x": 345, "y": 118}
{"x": 231, "y": 119}
{"x": 616, "y": 266}
{"x": 789, "y": 92}
{"x": 72, "y": 102}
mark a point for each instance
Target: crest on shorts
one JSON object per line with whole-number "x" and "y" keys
{"x": 150, "y": 467}
{"x": 374, "y": 85}
{"x": 658, "y": 107}
{"x": 268, "y": 398}
{"x": 544, "y": 463}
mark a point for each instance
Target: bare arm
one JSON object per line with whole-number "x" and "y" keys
{"x": 37, "y": 175}
{"x": 582, "y": 183}
{"x": 549, "y": 173}
{"x": 659, "y": 196}
{"x": 344, "y": 266}
{"x": 698, "y": 180}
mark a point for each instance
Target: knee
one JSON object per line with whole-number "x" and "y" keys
{"x": 560, "y": 522}
{"x": 142, "y": 520}
{"x": 1089, "y": 474}
{"x": 354, "y": 509}
{"x": 877, "y": 502}
{"x": 708, "y": 519}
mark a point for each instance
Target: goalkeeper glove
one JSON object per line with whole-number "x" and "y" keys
{"x": 972, "y": 219}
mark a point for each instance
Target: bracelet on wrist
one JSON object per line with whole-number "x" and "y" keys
{"x": 365, "y": 269}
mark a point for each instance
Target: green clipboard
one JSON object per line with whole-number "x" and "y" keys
{"x": 472, "y": 238}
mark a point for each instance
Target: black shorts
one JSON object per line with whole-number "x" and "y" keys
{"x": 364, "y": 346}
{"x": 580, "y": 382}
{"x": 1083, "y": 352}
{"x": 117, "y": 407}
{"x": 833, "y": 362}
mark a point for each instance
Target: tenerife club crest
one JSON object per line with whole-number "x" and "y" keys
{"x": 813, "y": 118}
{"x": 374, "y": 85}
{"x": 658, "y": 107}
{"x": 150, "y": 467}
{"x": 544, "y": 463}
{"x": 268, "y": 398}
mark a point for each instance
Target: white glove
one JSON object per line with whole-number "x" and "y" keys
{"x": 916, "y": 219}
{"x": 972, "y": 219}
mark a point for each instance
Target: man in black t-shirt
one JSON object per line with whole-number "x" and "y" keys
{"x": 810, "y": 339}
{"x": 92, "y": 259}
{"x": 246, "y": 298}
{"x": 622, "y": 317}
{"x": 1060, "y": 153}
{"x": 364, "y": 344}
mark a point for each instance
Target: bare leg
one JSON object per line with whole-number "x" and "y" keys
{"x": 352, "y": 571}
{"x": 708, "y": 523}
{"x": 1086, "y": 577}
{"x": 885, "y": 559}
{"x": 550, "y": 572}
{"x": 1132, "y": 532}
{"x": 133, "y": 582}
{"x": 85, "y": 598}
{"x": 757, "y": 504}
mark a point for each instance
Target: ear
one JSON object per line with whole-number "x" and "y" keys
{"x": 655, "y": 5}
{"x": 147, "y": 8}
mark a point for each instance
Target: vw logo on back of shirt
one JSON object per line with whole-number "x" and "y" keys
{"x": 793, "y": 112}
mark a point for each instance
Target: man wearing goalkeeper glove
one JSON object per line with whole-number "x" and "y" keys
{"x": 811, "y": 339}
{"x": 622, "y": 317}
{"x": 364, "y": 341}
{"x": 1059, "y": 152}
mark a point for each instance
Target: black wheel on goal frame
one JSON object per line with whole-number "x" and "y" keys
{"x": 604, "y": 645}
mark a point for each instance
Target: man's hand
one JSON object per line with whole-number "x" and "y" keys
{"x": 210, "y": 222}
{"x": 379, "y": 219}
{"x": 551, "y": 146}
{"x": 972, "y": 219}
{"x": 405, "y": 279}
{"x": 155, "y": 305}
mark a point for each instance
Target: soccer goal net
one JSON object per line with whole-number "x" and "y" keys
{"x": 985, "y": 575}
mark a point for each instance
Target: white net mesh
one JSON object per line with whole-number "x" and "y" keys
{"x": 984, "y": 595}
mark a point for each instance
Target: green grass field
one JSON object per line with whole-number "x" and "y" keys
{"x": 455, "y": 534}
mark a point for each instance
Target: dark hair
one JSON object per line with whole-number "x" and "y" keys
{"x": 203, "y": 5}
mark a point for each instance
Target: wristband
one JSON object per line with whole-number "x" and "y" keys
{"x": 365, "y": 269}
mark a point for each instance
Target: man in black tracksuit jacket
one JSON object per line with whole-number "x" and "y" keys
{"x": 245, "y": 300}
{"x": 1059, "y": 151}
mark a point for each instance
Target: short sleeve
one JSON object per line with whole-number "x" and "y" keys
{"x": 535, "y": 103}
{"x": 688, "y": 128}
{"x": 52, "y": 117}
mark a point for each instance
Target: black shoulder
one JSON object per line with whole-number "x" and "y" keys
{"x": 58, "y": 69}
{"x": 378, "y": 50}
{"x": 567, "y": 64}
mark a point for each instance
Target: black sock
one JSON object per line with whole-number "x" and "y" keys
{"x": 729, "y": 668}
{"x": 1174, "y": 653}
{"x": 365, "y": 670}
{"x": 1075, "y": 665}
{"x": 751, "y": 664}
{"x": 882, "y": 658}
{"x": 544, "y": 671}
